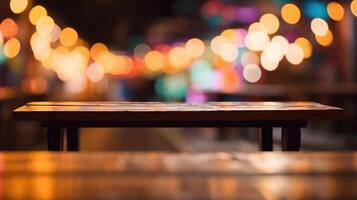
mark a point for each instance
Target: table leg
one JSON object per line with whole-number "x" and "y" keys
{"x": 266, "y": 139}
{"x": 291, "y": 138}
{"x": 72, "y": 139}
{"x": 55, "y": 139}
{"x": 222, "y": 134}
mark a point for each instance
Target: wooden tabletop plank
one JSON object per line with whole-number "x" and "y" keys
{"x": 178, "y": 176}
{"x": 159, "y": 111}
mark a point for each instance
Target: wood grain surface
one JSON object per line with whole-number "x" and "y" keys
{"x": 159, "y": 111}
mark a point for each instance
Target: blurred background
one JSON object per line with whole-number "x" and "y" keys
{"x": 183, "y": 51}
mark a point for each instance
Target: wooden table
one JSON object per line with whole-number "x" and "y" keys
{"x": 220, "y": 176}
{"x": 291, "y": 116}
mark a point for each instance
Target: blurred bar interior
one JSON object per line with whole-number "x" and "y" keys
{"x": 178, "y": 50}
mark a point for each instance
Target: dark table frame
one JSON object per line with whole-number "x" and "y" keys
{"x": 291, "y": 131}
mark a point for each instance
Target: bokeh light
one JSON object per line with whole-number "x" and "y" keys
{"x": 9, "y": 28}
{"x": 295, "y": 54}
{"x": 12, "y": 48}
{"x": 252, "y": 73}
{"x": 257, "y": 40}
{"x": 354, "y": 7}
{"x": 335, "y": 11}
{"x": 141, "y": 50}
{"x": 270, "y": 22}
{"x": 40, "y": 47}
{"x": 97, "y": 49}
{"x": 249, "y": 57}
{"x": 290, "y": 13}
{"x": 268, "y": 63}
{"x": 18, "y": 6}
{"x": 235, "y": 36}
{"x": 84, "y": 51}
{"x": 228, "y": 52}
{"x": 179, "y": 58}
{"x": 282, "y": 41}
{"x": 195, "y": 47}
{"x": 95, "y": 72}
{"x": 109, "y": 63}
{"x": 172, "y": 87}
{"x": 257, "y": 27}
{"x": 154, "y": 60}
{"x": 306, "y": 45}
{"x": 325, "y": 40}
{"x": 55, "y": 34}
{"x": 68, "y": 37}
{"x": 271, "y": 56}
{"x": 36, "y": 13}
{"x": 202, "y": 75}
{"x": 45, "y": 25}
{"x": 217, "y": 43}
{"x": 319, "y": 27}
{"x": 1, "y": 39}
{"x": 314, "y": 9}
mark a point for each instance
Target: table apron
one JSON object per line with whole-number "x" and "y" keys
{"x": 174, "y": 124}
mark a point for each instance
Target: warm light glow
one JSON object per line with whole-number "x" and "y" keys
{"x": 124, "y": 65}
{"x": 68, "y": 37}
{"x": 335, "y": 11}
{"x": 195, "y": 48}
{"x": 129, "y": 65}
{"x": 108, "y": 61}
{"x": 179, "y": 58}
{"x": 235, "y": 36}
{"x": 55, "y": 34}
{"x": 97, "y": 49}
{"x": 252, "y": 73}
{"x": 45, "y": 25}
{"x": 95, "y": 72}
{"x": 282, "y": 41}
{"x": 319, "y": 27}
{"x": 290, "y": 13}
{"x": 36, "y": 13}
{"x": 268, "y": 63}
{"x": 271, "y": 56}
{"x": 270, "y": 22}
{"x": 249, "y": 58}
{"x": 84, "y": 51}
{"x": 257, "y": 41}
{"x": 228, "y": 52}
{"x": 325, "y": 40}
{"x": 71, "y": 66}
{"x": 40, "y": 47}
{"x": 354, "y": 7}
{"x": 18, "y": 6}
{"x": 217, "y": 43}
{"x": 9, "y": 28}
{"x": 306, "y": 45}
{"x": 257, "y": 27}
{"x": 295, "y": 54}
{"x": 1, "y": 39}
{"x": 12, "y": 48}
{"x": 154, "y": 60}
{"x": 76, "y": 85}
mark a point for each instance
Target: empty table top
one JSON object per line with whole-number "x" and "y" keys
{"x": 158, "y": 111}
{"x": 178, "y": 176}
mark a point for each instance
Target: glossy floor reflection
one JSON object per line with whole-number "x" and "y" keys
{"x": 178, "y": 176}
